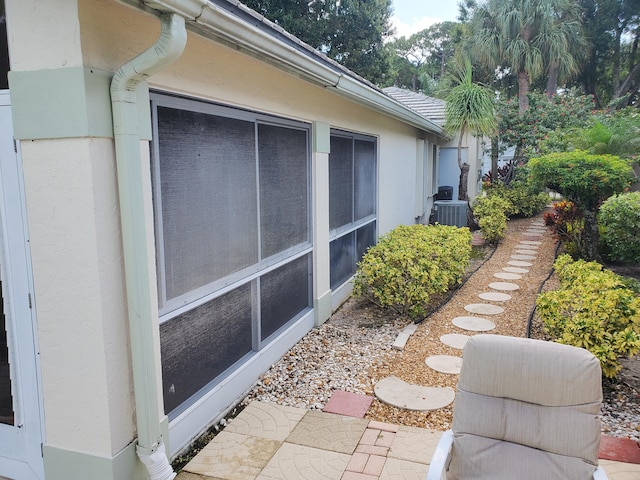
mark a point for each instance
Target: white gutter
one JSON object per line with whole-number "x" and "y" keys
{"x": 142, "y": 315}
{"x": 290, "y": 54}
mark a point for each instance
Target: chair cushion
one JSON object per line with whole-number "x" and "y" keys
{"x": 489, "y": 459}
{"x": 540, "y": 399}
{"x": 534, "y": 371}
{"x": 568, "y": 431}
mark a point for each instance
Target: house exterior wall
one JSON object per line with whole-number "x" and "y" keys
{"x": 63, "y": 123}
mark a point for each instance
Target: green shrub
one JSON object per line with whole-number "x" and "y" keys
{"x": 593, "y": 309}
{"x": 619, "y": 221}
{"x": 411, "y": 264}
{"x": 491, "y": 212}
{"x": 523, "y": 201}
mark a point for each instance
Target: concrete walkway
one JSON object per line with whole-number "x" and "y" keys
{"x": 272, "y": 442}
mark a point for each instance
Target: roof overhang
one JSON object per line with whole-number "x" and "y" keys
{"x": 231, "y": 23}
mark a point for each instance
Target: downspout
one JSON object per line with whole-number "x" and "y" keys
{"x": 142, "y": 317}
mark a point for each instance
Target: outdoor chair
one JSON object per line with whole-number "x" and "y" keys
{"x": 524, "y": 410}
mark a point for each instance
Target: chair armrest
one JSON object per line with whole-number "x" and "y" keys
{"x": 600, "y": 474}
{"x": 440, "y": 459}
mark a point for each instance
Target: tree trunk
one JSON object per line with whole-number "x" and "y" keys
{"x": 494, "y": 159}
{"x": 464, "y": 182}
{"x": 552, "y": 81}
{"x": 523, "y": 90}
{"x": 591, "y": 236}
{"x": 626, "y": 85}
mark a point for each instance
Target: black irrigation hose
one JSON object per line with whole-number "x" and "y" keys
{"x": 455, "y": 290}
{"x": 533, "y": 311}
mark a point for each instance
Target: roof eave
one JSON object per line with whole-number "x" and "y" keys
{"x": 249, "y": 32}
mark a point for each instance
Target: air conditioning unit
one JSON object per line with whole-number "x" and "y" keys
{"x": 451, "y": 212}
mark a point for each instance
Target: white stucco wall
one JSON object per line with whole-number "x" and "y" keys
{"x": 77, "y": 264}
{"x": 43, "y": 35}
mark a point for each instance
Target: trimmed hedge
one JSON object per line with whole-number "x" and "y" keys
{"x": 411, "y": 264}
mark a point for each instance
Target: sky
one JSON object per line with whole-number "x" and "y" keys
{"x": 411, "y": 16}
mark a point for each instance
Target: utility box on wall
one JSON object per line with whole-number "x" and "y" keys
{"x": 451, "y": 212}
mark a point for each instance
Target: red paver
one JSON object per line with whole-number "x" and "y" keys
{"x": 370, "y": 437}
{"x": 358, "y": 476}
{"x": 385, "y": 439}
{"x": 372, "y": 450}
{"x": 619, "y": 449}
{"x": 358, "y": 462}
{"x": 385, "y": 427}
{"x": 348, "y": 404}
{"x": 375, "y": 465}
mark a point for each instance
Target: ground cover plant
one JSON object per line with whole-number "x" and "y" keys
{"x": 593, "y": 309}
{"x": 411, "y": 264}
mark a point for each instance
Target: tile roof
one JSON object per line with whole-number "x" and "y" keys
{"x": 429, "y": 107}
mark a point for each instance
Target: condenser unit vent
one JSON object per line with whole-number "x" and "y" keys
{"x": 451, "y": 212}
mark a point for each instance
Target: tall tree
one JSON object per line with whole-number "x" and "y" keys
{"x": 469, "y": 109}
{"x": 352, "y": 32}
{"x": 613, "y": 71}
{"x": 422, "y": 57}
{"x": 527, "y": 36}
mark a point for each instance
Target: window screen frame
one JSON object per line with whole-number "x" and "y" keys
{"x": 356, "y": 224}
{"x": 171, "y": 308}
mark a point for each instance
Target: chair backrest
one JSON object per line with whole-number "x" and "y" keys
{"x": 526, "y": 409}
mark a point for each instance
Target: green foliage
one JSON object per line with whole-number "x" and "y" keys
{"x": 585, "y": 179}
{"x": 593, "y": 309}
{"x": 529, "y": 131}
{"x": 528, "y": 37}
{"x": 619, "y": 220}
{"x": 491, "y": 212}
{"x": 614, "y": 133}
{"x": 411, "y": 264}
{"x": 352, "y": 32}
{"x": 567, "y": 223}
{"x": 420, "y": 60}
{"x": 524, "y": 201}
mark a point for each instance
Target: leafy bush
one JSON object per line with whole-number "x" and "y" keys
{"x": 593, "y": 309}
{"x": 524, "y": 202}
{"x": 619, "y": 221}
{"x": 491, "y": 212}
{"x": 568, "y": 226}
{"x": 411, "y": 264}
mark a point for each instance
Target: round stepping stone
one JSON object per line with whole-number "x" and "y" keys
{"x": 444, "y": 363}
{"x": 532, "y": 248}
{"x": 525, "y": 252}
{"x": 455, "y": 340}
{"x": 474, "y": 324}
{"x": 484, "y": 309}
{"x": 398, "y": 393}
{"x": 507, "y": 276}
{"x": 515, "y": 270}
{"x": 495, "y": 296}
{"x": 519, "y": 263}
{"x": 504, "y": 286}
{"x": 531, "y": 242}
{"x": 523, "y": 257}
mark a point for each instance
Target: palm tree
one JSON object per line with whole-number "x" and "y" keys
{"x": 531, "y": 37}
{"x": 469, "y": 109}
